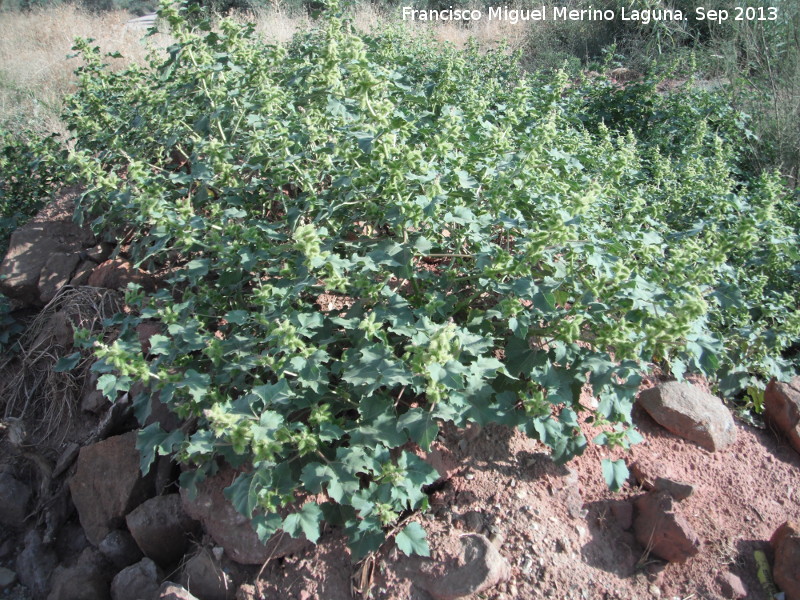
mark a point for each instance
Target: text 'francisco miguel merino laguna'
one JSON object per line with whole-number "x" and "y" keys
{"x": 555, "y": 13}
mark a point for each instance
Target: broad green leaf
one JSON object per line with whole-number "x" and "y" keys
{"x": 67, "y": 363}
{"x": 420, "y": 425}
{"x": 615, "y": 473}
{"x": 412, "y": 540}
{"x": 305, "y": 521}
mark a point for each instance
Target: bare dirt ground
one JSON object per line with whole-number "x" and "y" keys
{"x": 564, "y": 533}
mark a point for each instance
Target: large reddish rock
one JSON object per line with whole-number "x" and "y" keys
{"x": 786, "y": 570}
{"x": 107, "y": 485}
{"x": 232, "y": 530}
{"x": 117, "y": 273}
{"x": 56, "y": 273}
{"x": 41, "y": 257}
{"x": 161, "y": 528}
{"x": 691, "y": 414}
{"x": 661, "y": 529}
{"x": 782, "y": 408}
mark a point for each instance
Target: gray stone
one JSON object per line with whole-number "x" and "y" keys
{"x": 30, "y": 249}
{"x": 662, "y": 530}
{"x": 173, "y": 591}
{"x": 483, "y": 567}
{"x": 94, "y": 402}
{"x": 56, "y": 273}
{"x": 786, "y": 569}
{"x": 679, "y": 490}
{"x": 691, "y": 414}
{"x": 782, "y": 408}
{"x": 70, "y": 542}
{"x": 120, "y": 549}
{"x": 137, "y": 582}
{"x": 107, "y": 485}
{"x": 87, "y": 579}
{"x": 161, "y": 528}
{"x": 35, "y": 565}
{"x": 205, "y": 577}
{"x": 232, "y": 530}
{"x": 14, "y": 498}
{"x": 7, "y": 578}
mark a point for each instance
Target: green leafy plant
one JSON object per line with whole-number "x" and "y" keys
{"x": 370, "y": 235}
{"x": 30, "y": 168}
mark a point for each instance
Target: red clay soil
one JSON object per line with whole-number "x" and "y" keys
{"x": 564, "y": 533}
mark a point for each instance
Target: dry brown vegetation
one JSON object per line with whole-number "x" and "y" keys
{"x": 36, "y": 72}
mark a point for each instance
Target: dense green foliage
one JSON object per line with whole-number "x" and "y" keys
{"x": 368, "y": 236}
{"x": 29, "y": 167}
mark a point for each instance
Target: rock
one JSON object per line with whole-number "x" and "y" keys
{"x": 691, "y": 414}
{"x": 88, "y": 579}
{"x": 731, "y": 586}
{"x": 161, "y": 527}
{"x": 35, "y": 564}
{"x": 120, "y": 549}
{"x": 145, "y": 330}
{"x": 8, "y": 546}
{"x": 70, "y": 543}
{"x": 167, "y": 474}
{"x": 41, "y": 252}
{"x": 100, "y": 252}
{"x": 206, "y": 578}
{"x": 623, "y": 513}
{"x": 473, "y": 521}
{"x": 14, "y": 498}
{"x": 642, "y": 474}
{"x": 56, "y": 273}
{"x": 483, "y": 568}
{"x": 66, "y": 458}
{"x": 94, "y": 402}
{"x": 173, "y": 591}
{"x": 82, "y": 273}
{"x": 247, "y": 592}
{"x": 7, "y": 578}
{"x": 663, "y": 531}
{"x": 137, "y": 582}
{"x": 782, "y": 408}
{"x": 107, "y": 485}
{"x": 786, "y": 569}
{"x": 679, "y": 490}
{"x": 232, "y": 530}
{"x": 116, "y": 274}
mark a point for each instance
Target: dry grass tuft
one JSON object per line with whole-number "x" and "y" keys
{"x": 35, "y": 73}
{"x": 33, "y": 393}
